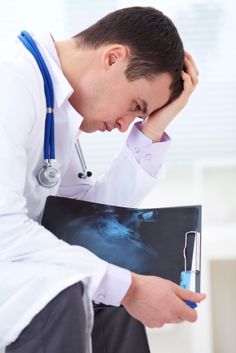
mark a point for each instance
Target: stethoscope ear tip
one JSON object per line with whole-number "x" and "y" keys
{"x": 85, "y": 175}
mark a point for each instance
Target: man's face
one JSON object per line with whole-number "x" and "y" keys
{"x": 108, "y": 100}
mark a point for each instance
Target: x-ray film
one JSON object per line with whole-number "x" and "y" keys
{"x": 158, "y": 241}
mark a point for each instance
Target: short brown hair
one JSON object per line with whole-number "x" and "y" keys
{"x": 152, "y": 38}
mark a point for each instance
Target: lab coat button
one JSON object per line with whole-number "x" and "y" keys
{"x": 148, "y": 157}
{"x": 136, "y": 149}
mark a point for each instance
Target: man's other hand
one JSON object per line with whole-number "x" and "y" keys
{"x": 155, "y": 301}
{"x": 155, "y": 124}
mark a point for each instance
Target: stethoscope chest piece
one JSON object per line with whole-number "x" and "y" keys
{"x": 48, "y": 176}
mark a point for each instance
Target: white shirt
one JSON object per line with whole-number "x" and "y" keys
{"x": 34, "y": 265}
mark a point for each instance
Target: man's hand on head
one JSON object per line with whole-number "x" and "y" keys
{"x": 155, "y": 124}
{"x": 156, "y": 301}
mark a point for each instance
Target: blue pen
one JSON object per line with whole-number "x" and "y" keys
{"x": 192, "y": 305}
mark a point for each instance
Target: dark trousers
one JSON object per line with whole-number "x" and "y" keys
{"x": 60, "y": 328}
{"x": 115, "y": 331}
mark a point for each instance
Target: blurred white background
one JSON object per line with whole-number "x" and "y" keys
{"x": 201, "y": 165}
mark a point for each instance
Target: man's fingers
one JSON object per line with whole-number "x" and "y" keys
{"x": 177, "y": 321}
{"x": 188, "y": 86}
{"x": 191, "y": 71}
{"x": 187, "y": 295}
{"x": 189, "y": 56}
{"x": 186, "y": 313}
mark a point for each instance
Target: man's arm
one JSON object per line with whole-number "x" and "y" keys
{"x": 153, "y": 300}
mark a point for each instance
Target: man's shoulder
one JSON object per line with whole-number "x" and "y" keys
{"x": 9, "y": 50}
{"x": 17, "y": 63}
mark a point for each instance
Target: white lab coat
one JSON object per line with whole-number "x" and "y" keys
{"x": 34, "y": 265}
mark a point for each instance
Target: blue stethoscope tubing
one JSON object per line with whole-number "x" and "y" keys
{"x": 49, "y": 139}
{"x": 49, "y": 175}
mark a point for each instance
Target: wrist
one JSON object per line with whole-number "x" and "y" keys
{"x": 132, "y": 289}
{"x": 155, "y": 136}
{"x": 113, "y": 286}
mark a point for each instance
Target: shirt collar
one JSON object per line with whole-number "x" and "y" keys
{"x": 61, "y": 86}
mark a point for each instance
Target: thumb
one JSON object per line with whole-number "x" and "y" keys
{"x": 188, "y": 295}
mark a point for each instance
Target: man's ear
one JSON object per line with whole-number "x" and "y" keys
{"x": 113, "y": 54}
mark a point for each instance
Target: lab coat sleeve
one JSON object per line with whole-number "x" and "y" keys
{"x": 133, "y": 173}
{"x": 150, "y": 155}
{"x": 23, "y": 240}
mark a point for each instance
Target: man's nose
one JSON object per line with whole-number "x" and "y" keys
{"x": 124, "y": 122}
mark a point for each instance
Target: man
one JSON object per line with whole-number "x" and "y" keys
{"x": 130, "y": 63}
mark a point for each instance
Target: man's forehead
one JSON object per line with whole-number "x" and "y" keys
{"x": 161, "y": 92}
{"x": 155, "y": 94}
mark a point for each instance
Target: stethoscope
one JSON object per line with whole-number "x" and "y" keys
{"x": 49, "y": 176}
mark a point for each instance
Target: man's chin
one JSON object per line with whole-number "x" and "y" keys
{"x": 87, "y": 129}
